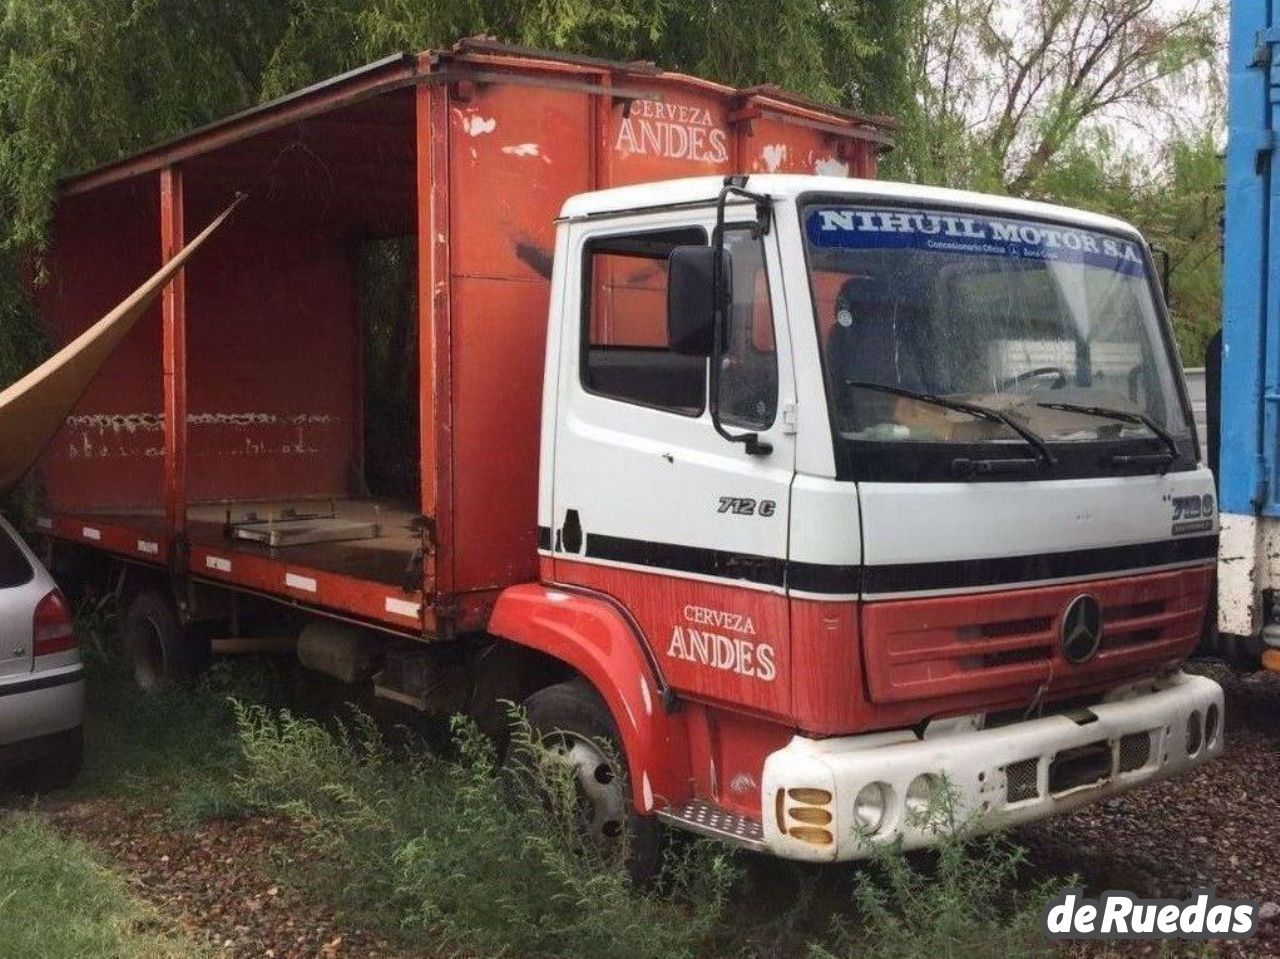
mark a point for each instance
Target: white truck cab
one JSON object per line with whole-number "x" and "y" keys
{"x": 916, "y": 498}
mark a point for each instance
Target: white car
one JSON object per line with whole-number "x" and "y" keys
{"x": 41, "y": 676}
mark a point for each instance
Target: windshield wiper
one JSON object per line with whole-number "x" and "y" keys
{"x": 1033, "y": 439}
{"x": 1124, "y": 416}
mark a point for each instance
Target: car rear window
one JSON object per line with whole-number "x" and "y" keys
{"x": 14, "y": 567}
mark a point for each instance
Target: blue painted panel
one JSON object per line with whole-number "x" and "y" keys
{"x": 1251, "y": 283}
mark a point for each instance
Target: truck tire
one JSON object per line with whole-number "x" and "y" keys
{"x": 56, "y": 770}
{"x": 573, "y": 722}
{"x": 163, "y": 654}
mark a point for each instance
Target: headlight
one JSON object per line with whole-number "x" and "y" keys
{"x": 870, "y": 806}
{"x": 922, "y": 797}
{"x": 1194, "y": 733}
{"x": 1211, "y": 725}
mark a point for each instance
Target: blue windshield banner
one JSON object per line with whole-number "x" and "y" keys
{"x": 873, "y": 229}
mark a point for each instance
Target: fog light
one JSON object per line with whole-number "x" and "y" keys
{"x": 1211, "y": 724}
{"x": 870, "y": 806}
{"x": 1194, "y": 732}
{"x": 922, "y": 796}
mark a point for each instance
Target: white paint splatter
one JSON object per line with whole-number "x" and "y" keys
{"x": 646, "y": 790}
{"x": 830, "y": 166}
{"x": 476, "y": 125}
{"x": 774, "y": 155}
{"x": 648, "y": 699}
{"x": 526, "y": 150}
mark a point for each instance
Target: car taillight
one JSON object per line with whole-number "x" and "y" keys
{"x": 52, "y": 626}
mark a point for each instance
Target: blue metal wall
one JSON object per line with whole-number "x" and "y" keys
{"x": 1251, "y": 294}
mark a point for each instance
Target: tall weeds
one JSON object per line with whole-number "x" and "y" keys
{"x": 453, "y": 851}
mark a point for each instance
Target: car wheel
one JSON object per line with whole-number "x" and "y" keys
{"x": 57, "y": 769}
{"x": 163, "y": 654}
{"x": 575, "y": 727}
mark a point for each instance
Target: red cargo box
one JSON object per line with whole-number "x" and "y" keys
{"x": 257, "y": 355}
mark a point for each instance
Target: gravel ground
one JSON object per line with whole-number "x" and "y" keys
{"x": 1213, "y": 828}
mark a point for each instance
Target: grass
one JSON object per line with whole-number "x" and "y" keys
{"x": 58, "y": 902}
{"x": 179, "y": 744}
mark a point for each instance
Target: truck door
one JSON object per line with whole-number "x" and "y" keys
{"x": 650, "y": 505}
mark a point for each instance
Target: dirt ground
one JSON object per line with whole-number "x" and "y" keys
{"x": 221, "y": 881}
{"x": 1211, "y": 829}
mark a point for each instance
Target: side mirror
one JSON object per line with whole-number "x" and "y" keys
{"x": 691, "y": 302}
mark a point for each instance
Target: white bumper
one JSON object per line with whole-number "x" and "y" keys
{"x": 1010, "y": 774}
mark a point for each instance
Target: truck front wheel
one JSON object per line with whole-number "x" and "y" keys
{"x": 575, "y": 729}
{"x": 162, "y": 652}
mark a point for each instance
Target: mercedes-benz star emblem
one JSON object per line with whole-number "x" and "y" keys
{"x": 1081, "y": 629}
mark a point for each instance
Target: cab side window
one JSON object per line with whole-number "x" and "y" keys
{"x": 625, "y": 350}
{"x": 749, "y": 361}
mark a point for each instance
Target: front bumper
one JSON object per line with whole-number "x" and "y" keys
{"x": 995, "y": 777}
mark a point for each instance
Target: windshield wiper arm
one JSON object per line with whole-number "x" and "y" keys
{"x": 1033, "y": 439}
{"x": 1124, "y": 416}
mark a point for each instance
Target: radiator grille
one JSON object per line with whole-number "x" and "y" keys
{"x": 919, "y": 649}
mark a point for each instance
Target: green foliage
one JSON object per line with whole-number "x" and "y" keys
{"x": 447, "y": 849}
{"x": 139, "y": 745}
{"x": 58, "y": 902}
{"x": 962, "y": 904}
{"x": 965, "y": 899}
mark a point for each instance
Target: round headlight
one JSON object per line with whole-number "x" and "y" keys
{"x": 870, "y": 806}
{"x": 922, "y": 796}
{"x": 1194, "y": 733}
{"x": 1211, "y": 725}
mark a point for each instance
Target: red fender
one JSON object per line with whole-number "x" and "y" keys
{"x": 596, "y": 638}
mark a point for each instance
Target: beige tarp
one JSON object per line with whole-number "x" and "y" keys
{"x": 33, "y": 409}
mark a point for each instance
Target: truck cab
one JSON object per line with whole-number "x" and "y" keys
{"x": 911, "y": 507}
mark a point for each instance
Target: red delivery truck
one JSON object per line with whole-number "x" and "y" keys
{"x": 637, "y": 399}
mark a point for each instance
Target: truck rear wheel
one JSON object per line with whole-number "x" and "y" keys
{"x": 161, "y": 651}
{"x": 575, "y": 727}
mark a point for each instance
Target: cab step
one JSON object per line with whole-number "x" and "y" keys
{"x": 707, "y": 819}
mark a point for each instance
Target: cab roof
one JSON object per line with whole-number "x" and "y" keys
{"x": 692, "y": 191}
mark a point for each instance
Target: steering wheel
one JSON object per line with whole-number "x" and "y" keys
{"x": 1057, "y": 372}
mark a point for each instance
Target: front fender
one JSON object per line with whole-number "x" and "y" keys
{"x": 591, "y": 634}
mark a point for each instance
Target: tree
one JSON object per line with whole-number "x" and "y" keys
{"x": 1004, "y": 88}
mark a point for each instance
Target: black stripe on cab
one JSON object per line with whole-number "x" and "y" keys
{"x": 822, "y": 578}
{"x": 688, "y": 559}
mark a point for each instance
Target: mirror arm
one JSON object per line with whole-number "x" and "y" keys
{"x": 1166, "y": 273}
{"x": 733, "y": 186}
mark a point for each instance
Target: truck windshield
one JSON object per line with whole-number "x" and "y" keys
{"x": 1053, "y": 326}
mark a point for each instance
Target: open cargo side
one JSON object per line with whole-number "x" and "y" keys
{"x": 337, "y": 406}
